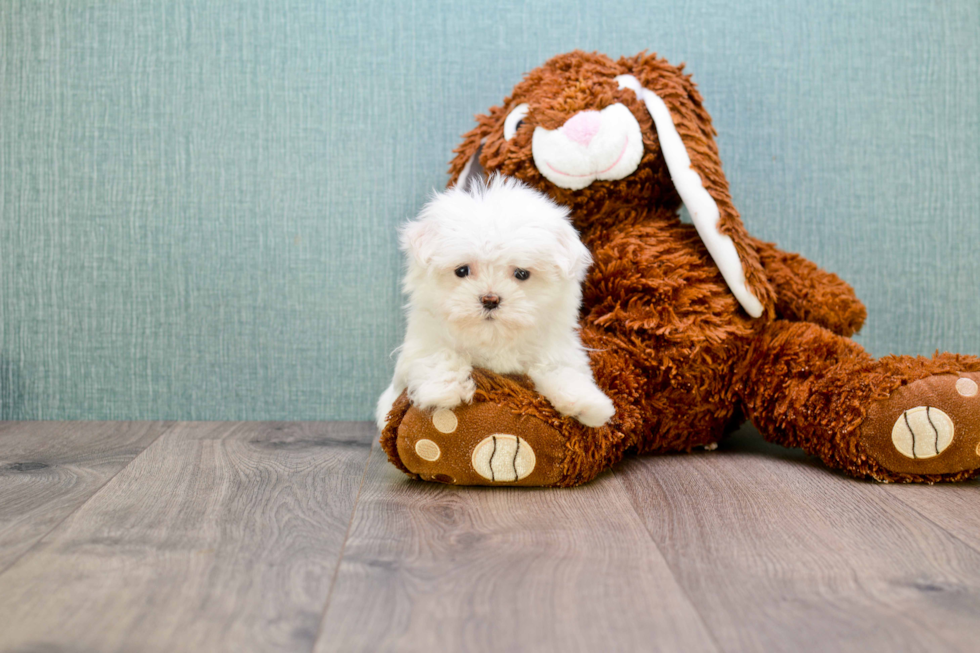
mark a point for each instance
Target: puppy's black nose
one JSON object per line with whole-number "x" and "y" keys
{"x": 490, "y": 301}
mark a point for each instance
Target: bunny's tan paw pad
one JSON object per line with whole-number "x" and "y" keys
{"x": 480, "y": 444}
{"x": 928, "y": 427}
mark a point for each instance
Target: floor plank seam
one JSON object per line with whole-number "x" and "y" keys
{"x": 970, "y": 545}
{"x": 343, "y": 547}
{"x": 670, "y": 569}
{"x": 84, "y": 503}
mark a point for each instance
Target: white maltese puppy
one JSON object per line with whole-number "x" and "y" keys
{"x": 494, "y": 281}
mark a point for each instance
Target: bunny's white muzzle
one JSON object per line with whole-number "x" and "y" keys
{"x": 591, "y": 145}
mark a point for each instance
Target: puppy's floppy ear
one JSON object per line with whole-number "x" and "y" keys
{"x": 573, "y": 258}
{"x": 695, "y": 167}
{"x": 417, "y": 239}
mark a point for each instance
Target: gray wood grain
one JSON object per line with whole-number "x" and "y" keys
{"x": 780, "y": 554}
{"x": 956, "y": 508}
{"x": 229, "y": 537}
{"x": 48, "y": 469}
{"x": 438, "y": 568}
{"x": 219, "y": 537}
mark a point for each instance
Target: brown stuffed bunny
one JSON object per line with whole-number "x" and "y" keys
{"x": 692, "y": 328}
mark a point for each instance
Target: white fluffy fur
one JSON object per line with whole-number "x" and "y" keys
{"x": 494, "y": 229}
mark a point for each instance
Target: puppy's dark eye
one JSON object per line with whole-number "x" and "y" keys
{"x": 522, "y": 275}
{"x": 463, "y": 271}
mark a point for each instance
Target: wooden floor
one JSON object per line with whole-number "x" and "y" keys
{"x": 302, "y": 537}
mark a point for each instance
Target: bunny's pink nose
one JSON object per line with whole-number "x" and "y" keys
{"x": 582, "y": 127}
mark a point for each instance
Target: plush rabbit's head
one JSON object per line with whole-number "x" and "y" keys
{"x": 592, "y": 133}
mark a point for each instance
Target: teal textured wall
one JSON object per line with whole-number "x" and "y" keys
{"x": 199, "y": 199}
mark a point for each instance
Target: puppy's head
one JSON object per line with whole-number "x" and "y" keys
{"x": 495, "y": 259}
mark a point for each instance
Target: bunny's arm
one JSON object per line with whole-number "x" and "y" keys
{"x": 806, "y": 293}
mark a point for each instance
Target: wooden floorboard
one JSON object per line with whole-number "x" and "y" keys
{"x": 218, "y": 537}
{"x": 297, "y": 537}
{"x": 955, "y": 508}
{"x": 48, "y": 469}
{"x": 778, "y": 553}
{"x": 438, "y": 568}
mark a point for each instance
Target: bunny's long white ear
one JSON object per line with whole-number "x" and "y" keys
{"x": 472, "y": 171}
{"x": 702, "y": 207}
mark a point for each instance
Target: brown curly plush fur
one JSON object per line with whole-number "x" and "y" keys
{"x": 682, "y": 362}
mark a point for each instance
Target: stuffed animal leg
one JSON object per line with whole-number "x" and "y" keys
{"x": 899, "y": 418}
{"x": 508, "y": 435}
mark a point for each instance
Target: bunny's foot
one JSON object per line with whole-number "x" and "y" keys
{"x": 509, "y": 435}
{"x": 927, "y": 430}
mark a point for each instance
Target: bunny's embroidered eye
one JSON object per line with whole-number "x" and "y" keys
{"x": 462, "y": 271}
{"x": 514, "y": 120}
{"x": 521, "y": 275}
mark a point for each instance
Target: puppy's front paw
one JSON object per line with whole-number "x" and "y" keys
{"x": 595, "y": 410}
{"x": 577, "y": 396}
{"x": 442, "y": 394}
